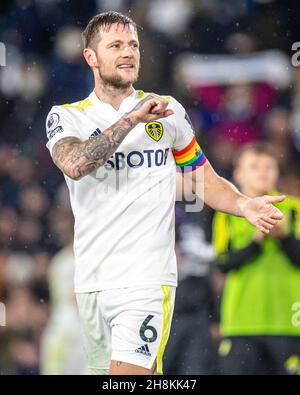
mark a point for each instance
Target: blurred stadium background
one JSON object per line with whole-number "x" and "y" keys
{"x": 228, "y": 62}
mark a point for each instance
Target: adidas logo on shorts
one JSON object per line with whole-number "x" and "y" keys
{"x": 144, "y": 350}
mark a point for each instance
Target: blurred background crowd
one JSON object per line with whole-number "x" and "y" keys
{"x": 196, "y": 50}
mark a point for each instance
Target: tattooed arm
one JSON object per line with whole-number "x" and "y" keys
{"x": 77, "y": 158}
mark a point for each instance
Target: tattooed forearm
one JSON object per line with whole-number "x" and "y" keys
{"x": 78, "y": 158}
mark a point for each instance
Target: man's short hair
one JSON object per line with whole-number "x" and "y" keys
{"x": 256, "y": 148}
{"x": 104, "y": 21}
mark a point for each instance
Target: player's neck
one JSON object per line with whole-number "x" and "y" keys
{"x": 253, "y": 192}
{"x": 112, "y": 95}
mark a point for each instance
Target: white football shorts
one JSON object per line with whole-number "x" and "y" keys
{"x": 126, "y": 324}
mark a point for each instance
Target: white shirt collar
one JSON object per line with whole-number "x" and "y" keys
{"x": 97, "y": 102}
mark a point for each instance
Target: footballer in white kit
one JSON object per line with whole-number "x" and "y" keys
{"x": 119, "y": 149}
{"x": 124, "y": 217}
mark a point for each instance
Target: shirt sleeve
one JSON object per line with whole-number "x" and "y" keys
{"x": 59, "y": 124}
{"x": 187, "y": 152}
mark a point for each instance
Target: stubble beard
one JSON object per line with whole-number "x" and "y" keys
{"x": 115, "y": 81}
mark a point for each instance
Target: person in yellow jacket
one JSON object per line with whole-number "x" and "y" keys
{"x": 262, "y": 287}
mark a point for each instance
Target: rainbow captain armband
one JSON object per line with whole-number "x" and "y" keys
{"x": 189, "y": 158}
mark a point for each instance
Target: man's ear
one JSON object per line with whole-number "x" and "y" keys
{"x": 90, "y": 57}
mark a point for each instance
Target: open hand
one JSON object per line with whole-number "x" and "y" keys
{"x": 261, "y": 212}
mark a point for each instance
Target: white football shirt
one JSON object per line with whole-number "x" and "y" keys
{"x": 124, "y": 210}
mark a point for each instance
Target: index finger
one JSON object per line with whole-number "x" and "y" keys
{"x": 277, "y": 215}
